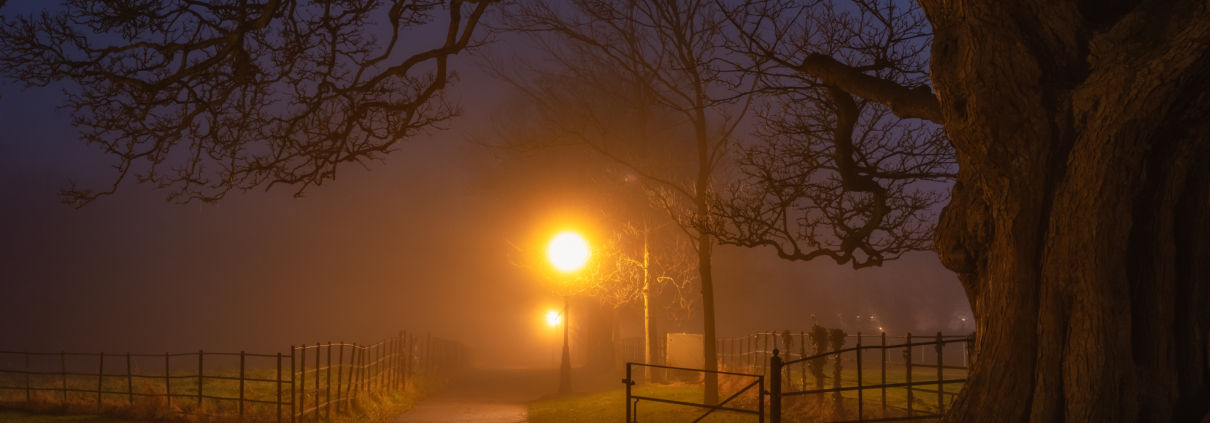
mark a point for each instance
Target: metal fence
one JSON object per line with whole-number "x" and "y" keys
{"x": 920, "y": 370}
{"x": 751, "y": 353}
{"x": 779, "y": 368}
{"x": 757, "y": 386}
{"x": 300, "y": 386}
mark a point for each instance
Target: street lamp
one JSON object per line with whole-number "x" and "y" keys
{"x": 553, "y": 318}
{"x": 568, "y": 252}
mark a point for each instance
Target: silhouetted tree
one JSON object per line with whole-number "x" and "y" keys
{"x": 833, "y": 176}
{"x": 668, "y": 54}
{"x": 1076, "y": 223}
{"x": 203, "y": 97}
{"x": 643, "y": 271}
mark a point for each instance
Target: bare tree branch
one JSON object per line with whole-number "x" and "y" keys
{"x": 833, "y": 176}
{"x": 201, "y": 98}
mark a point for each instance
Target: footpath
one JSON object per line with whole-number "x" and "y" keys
{"x": 497, "y": 395}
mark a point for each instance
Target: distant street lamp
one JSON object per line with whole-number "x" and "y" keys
{"x": 553, "y": 318}
{"x": 568, "y": 252}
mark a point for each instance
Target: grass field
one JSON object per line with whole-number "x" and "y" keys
{"x": 26, "y": 417}
{"x": 896, "y": 373}
{"x": 610, "y": 406}
{"x": 48, "y": 400}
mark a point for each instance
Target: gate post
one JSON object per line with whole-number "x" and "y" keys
{"x": 775, "y": 388}
{"x": 628, "y": 383}
{"x": 760, "y": 400}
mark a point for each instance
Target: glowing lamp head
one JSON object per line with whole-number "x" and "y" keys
{"x": 553, "y": 318}
{"x": 568, "y": 251}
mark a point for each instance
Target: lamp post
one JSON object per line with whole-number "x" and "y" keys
{"x": 565, "y": 364}
{"x": 553, "y": 318}
{"x": 567, "y": 252}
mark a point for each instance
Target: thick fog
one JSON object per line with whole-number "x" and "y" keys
{"x": 420, "y": 242}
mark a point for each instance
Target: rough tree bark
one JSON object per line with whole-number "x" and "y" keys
{"x": 1078, "y": 224}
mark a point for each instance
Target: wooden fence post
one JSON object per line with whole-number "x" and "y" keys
{"x": 129, "y": 381}
{"x": 63, "y": 373}
{"x": 908, "y": 365}
{"x": 399, "y": 361}
{"x": 328, "y": 394}
{"x": 355, "y": 384}
{"x": 340, "y": 371}
{"x": 302, "y": 383}
{"x": 168, "y": 381}
{"x": 409, "y": 354}
{"x": 318, "y": 352}
{"x": 940, "y": 377}
{"x": 403, "y": 360}
{"x": 293, "y": 387}
{"x": 241, "y": 384}
{"x": 348, "y": 398}
{"x": 803, "y": 344}
{"x": 100, "y": 380}
{"x": 363, "y": 384}
{"x": 745, "y": 351}
{"x": 28, "y": 392}
{"x": 883, "y": 381}
{"x": 860, "y": 392}
{"x": 407, "y": 361}
{"x": 200, "y": 373}
{"x": 764, "y": 356}
{"x": 279, "y": 387}
{"x": 392, "y": 365}
{"x": 351, "y": 384}
{"x": 361, "y": 370}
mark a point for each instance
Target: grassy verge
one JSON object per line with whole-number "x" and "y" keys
{"x": 610, "y": 406}
{"x": 872, "y": 375}
{"x": 50, "y": 404}
{"x": 10, "y": 416}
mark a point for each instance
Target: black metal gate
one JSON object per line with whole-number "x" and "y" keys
{"x": 777, "y": 365}
{"x": 775, "y": 393}
{"x": 632, "y": 401}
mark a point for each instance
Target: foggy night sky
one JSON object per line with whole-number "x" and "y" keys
{"x": 419, "y": 242}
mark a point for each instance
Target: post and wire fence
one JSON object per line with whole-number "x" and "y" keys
{"x": 309, "y": 383}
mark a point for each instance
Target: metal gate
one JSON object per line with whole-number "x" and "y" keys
{"x": 632, "y": 401}
{"x": 777, "y": 366}
{"x": 775, "y": 393}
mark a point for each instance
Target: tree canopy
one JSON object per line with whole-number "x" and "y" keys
{"x": 201, "y": 98}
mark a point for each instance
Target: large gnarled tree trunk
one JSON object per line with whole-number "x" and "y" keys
{"x": 1079, "y": 224}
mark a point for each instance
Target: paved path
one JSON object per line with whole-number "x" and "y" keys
{"x": 494, "y": 396}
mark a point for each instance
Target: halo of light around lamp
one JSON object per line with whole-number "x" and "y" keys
{"x": 568, "y": 251}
